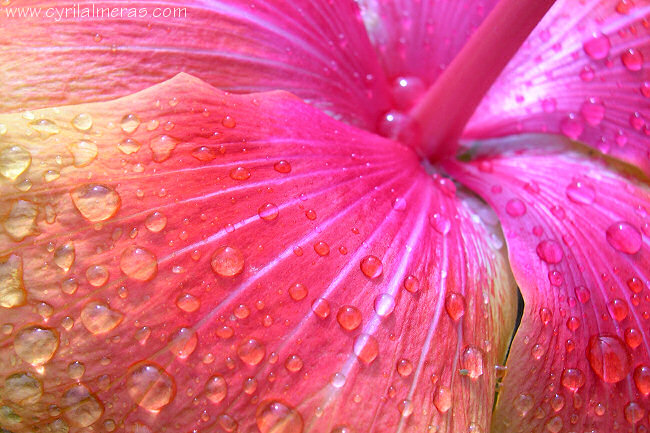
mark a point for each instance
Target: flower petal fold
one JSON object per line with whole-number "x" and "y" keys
{"x": 239, "y": 262}
{"x": 582, "y": 73}
{"x": 74, "y": 49}
{"x": 578, "y": 233}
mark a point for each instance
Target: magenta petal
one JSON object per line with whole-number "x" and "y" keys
{"x": 578, "y": 234}
{"x": 240, "y": 262}
{"x": 307, "y": 47}
{"x": 582, "y": 73}
{"x": 416, "y": 38}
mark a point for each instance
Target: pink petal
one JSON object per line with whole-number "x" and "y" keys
{"x": 578, "y": 236}
{"x": 318, "y": 52}
{"x": 420, "y": 38}
{"x": 254, "y": 263}
{"x": 582, "y": 73}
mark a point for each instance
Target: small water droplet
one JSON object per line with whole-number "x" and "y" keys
{"x": 411, "y": 284}
{"x": 162, "y": 147}
{"x": 632, "y": 59}
{"x": 129, "y": 146}
{"x": 97, "y": 275}
{"x": 130, "y": 123}
{"x": 14, "y": 160}
{"x": 624, "y": 237}
{"x": 282, "y": 167}
{"x": 372, "y": 267}
{"x": 321, "y": 248}
{"x": 98, "y": 318}
{"x": 273, "y": 416}
{"x": 188, "y": 303}
{"x": 138, "y": 263}
{"x": 228, "y": 122}
{"x": 149, "y": 386}
{"x": 366, "y": 348}
{"x": 572, "y": 379}
{"x": 593, "y": 111}
{"x": 472, "y": 361}
{"x": 82, "y": 122}
{"x": 384, "y": 304}
{"x": 455, "y": 306}
{"x": 321, "y": 308}
{"x": 597, "y": 46}
{"x": 404, "y": 367}
{"x": 251, "y": 351}
{"x": 440, "y": 223}
{"x": 349, "y": 317}
{"x": 45, "y": 127}
{"x": 183, "y": 343}
{"x": 442, "y": 399}
{"x": 516, "y": 208}
{"x": 240, "y": 173}
{"x": 12, "y": 290}
{"x": 581, "y": 193}
{"x": 268, "y": 212}
{"x": 293, "y": 363}
{"x": 550, "y": 251}
{"x": 227, "y": 261}
{"x": 298, "y": 292}
{"x": 96, "y": 202}
{"x": 642, "y": 379}
{"x": 216, "y": 389}
{"x": 21, "y": 221}
{"x": 571, "y": 126}
{"x": 523, "y": 403}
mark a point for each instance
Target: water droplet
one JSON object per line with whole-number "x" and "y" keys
{"x": 228, "y": 122}
{"x": 64, "y": 256}
{"x": 129, "y": 146}
{"x": 12, "y": 290}
{"x": 338, "y": 380}
{"x": 97, "y": 275}
{"x": 216, "y": 389}
{"x": 593, "y": 111}
{"x": 268, "y": 212}
{"x": 298, "y": 292}
{"x": 442, "y": 399}
{"x": 21, "y": 221}
{"x": 14, "y": 160}
{"x": 139, "y": 263}
{"x": 82, "y": 122}
{"x": 523, "y": 403}
{"x": 45, "y": 127}
{"x": 130, "y": 123}
{"x": 76, "y": 370}
{"x": 96, "y": 202}
{"x": 472, "y": 361}
{"x": 632, "y": 59}
{"x": 554, "y": 425}
{"x": 321, "y": 248}
{"x": 371, "y": 267}
{"x": 624, "y": 237}
{"x": 633, "y": 412}
{"x": 80, "y": 407}
{"x": 455, "y": 306}
{"x": 633, "y": 337}
{"x": 366, "y": 348}
{"x": 571, "y": 126}
{"x": 572, "y": 378}
{"x": 411, "y": 284}
{"x": 642, "y": 379}
{"x": 321, "y": 308}
{"x": 617, "y": 309}
{"x": 98, "y": 318}
{"x": 149, "y": 386}
{"x": 404, "y": 367}
{"x": 293, "y": 363}
{"x": 162, "y": 147}
{"x": 183, "y": 343}
{"x": 583, "y": 295}
{"x": 515, "y": 208}
{"x": 597, "y": 46}
{"x": 608, "y": 358}
{"x": 282, "y": 167}
{"x": 155, "y": 222}
{"x": 36, "y": 345}
{"x": 251, "y": 351}
{"x": 399, "y": 204}
{"x": 581, "y": 193}
{"x": 227, "y": 261}
{"x": 349, "y": 317}
{"x": 550, "y": 251}
{"x": 23, "y": 389}
{"x": 384, "y": 304}
{"x": 240, "y": 173}
{"x": 440, "y": 223}
{"x": 406, "y": 90}
{"x": 273, "y": 416}
{"x": 83, "y": 152}
{"x": 188, "y": 303}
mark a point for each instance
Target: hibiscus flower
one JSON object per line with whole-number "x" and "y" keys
{"x": 316, "y": 215}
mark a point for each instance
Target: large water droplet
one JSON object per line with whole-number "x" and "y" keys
{"x": 384, "y": 304}
{"x": 581, "y": 193}
{"x": 442, "y": 399}
{"x": 98, "y": 318}
{"x": 14, "y": 160}
{"x": 97, "y": 275}
{"x": 455, "y": 305}
{"x": 183, "y": 343}
{"x": 12, "y": 290}
{"x": 273, "y": 416}
{"x": 162, "y": 147}
{"x": 240, "y": 173}
{"x": 188, "y": 303}
{"x": 268, "y": 212}
{"x": 155, "y": 222}
{"x": 84, "y": 152}
{"x": 251, "y": 351}
{"x": 139, "y": 263}
{"x": 572, "y": 378}
{"x": 642, "y": 379}
{"x": 36, "y": 345}
{"x": 80, "y": 407}
{"x": 216, "y": 389}
{"x": 632, "y": 59}
{"x": 96, "y": 202}
{"x": 523, "y": 403}
{"x": 597, "y": 46}
{"x": 149, "y": 386}
{"x": 472, "y": 361}
{"x": 23, "y": 389}
{"x": 21, "y": 221}
{"x": 608, "y": 358}
{"x": 593, "y": 111}
{"x": 227, "y": 261}
{"x": 624, "y": 237}
{"x": 129, "y": 146}
{"x": 550, "y": 251}
{"x": 129, "y": 123}
{"x": 515, "y": 207}
{"x": 82, "y": 122}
